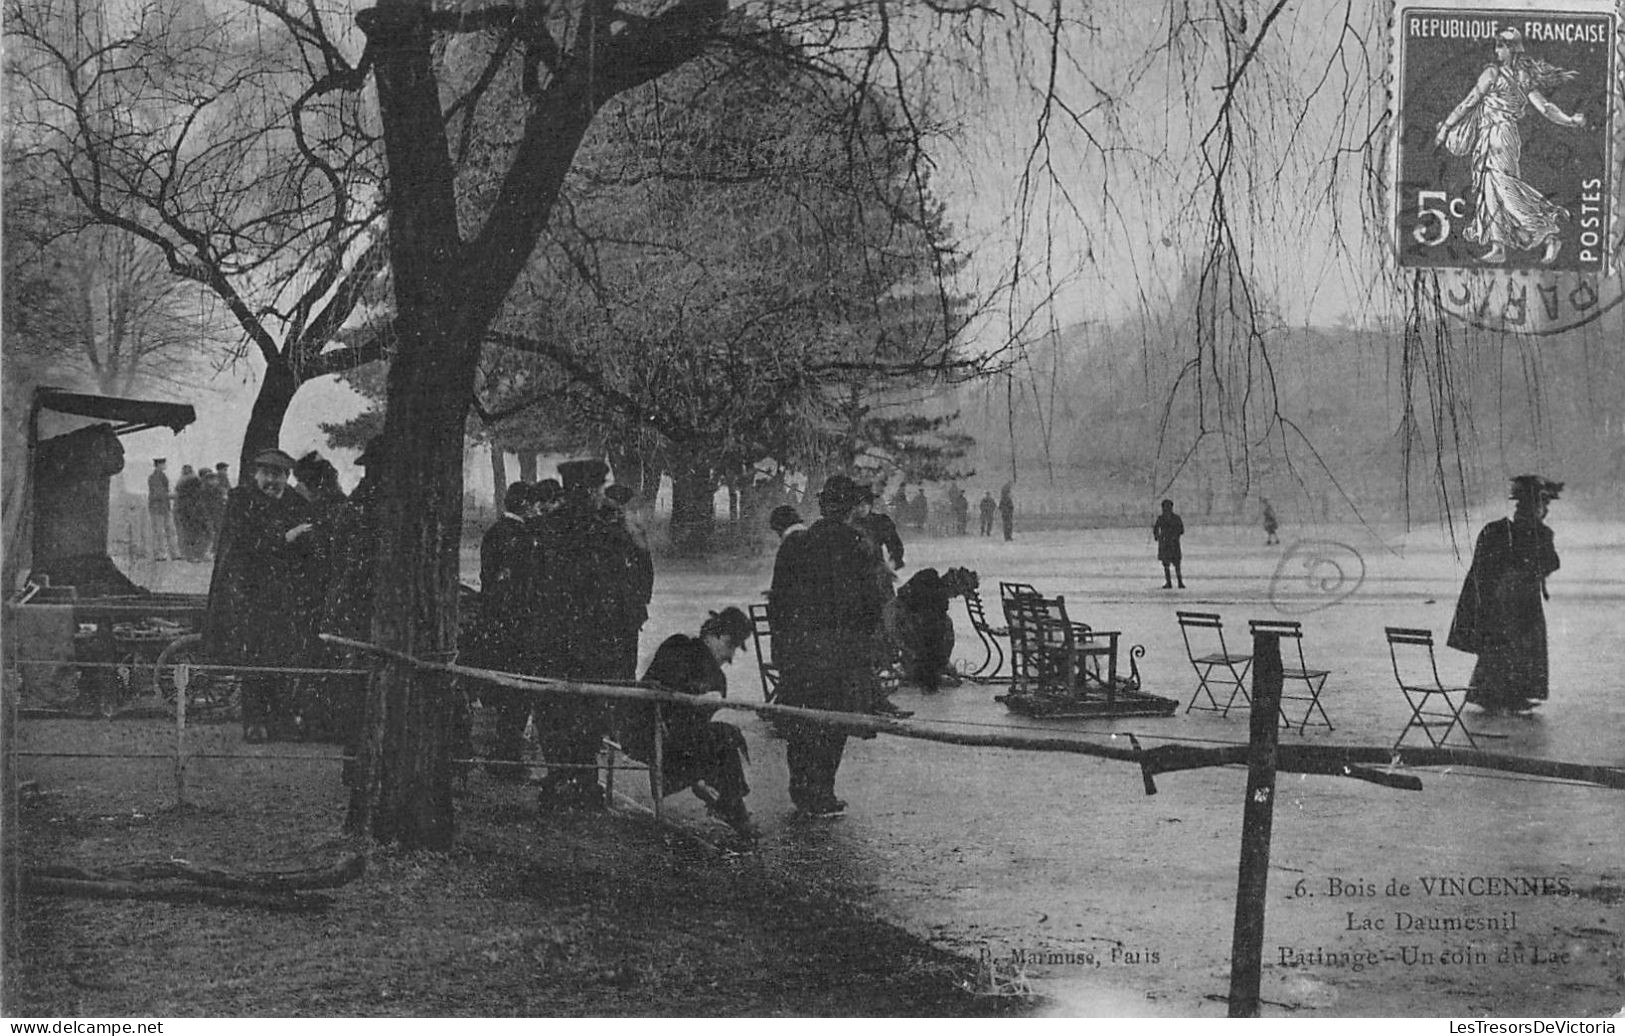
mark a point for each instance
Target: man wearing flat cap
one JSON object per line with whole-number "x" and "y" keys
{"x": 253, "y": 617}
{"x": 824, "y": 606}
{"x": 1500, "y": 616}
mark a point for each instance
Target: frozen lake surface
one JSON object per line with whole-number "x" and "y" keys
{"x": 1020, "y": 854}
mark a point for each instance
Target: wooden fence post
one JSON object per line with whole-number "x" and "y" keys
{"x": 182, "y": 679}
{"x": 1258, "y": 814}
{"x": 657, "y": 766}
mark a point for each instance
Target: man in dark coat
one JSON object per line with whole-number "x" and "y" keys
{"x": 504, "y": 638}
{"x": 1500, "y": 617}
{"x": 585, "y": 591}
{"x": 253, "y": 609}
{"x": 1167, "y": 530}
{"x": 924, "y": 629}
{"x": 824, "y": 606}
{"x": 698, "y": 752}
{"x": 160, "y": 517}
{"x": 886, "y": 556}
{"x": 1007, "y": 511}
{"x": 347, "y": 611}
{"x": 191, "y": 515}
{"x": 919, "y": 510}
{"x": 632, "y": 582}
{"x": 217, "y": 506}
{"x": 989, "y": 507}
{"x": 960, "y": 504}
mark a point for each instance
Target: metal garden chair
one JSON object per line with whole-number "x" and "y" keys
{"x": 1314, "y": 680}
{"x": 1222, "y": 668}
{"x": 1432, "y": 703}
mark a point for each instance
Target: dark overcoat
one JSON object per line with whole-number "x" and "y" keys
{"x": 253, "y": 615}
{"x": 826, "y": 606}
{"x": 1499, "y": 616}
{"x": 509, "y": 572}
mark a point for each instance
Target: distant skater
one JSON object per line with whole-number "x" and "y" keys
{"x": 1500, "y": 617}
{"x": 988, "y": 508}
{"x": 1167, "y": 530}
{"x": 1271, "y": 523}
{"x": 1007, "y": 512}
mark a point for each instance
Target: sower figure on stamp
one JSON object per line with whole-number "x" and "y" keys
{"x": 697, "y": 752}
{"x": 1500, "y": 617}
{"x": 824, "y": 605}
{"x": 1167, "y": 530}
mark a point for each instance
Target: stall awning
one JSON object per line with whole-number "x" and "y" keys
{"x": 126, "y": 415}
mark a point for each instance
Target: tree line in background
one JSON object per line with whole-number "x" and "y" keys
{"x": 744, "y": 286}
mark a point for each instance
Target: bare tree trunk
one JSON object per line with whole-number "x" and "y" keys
{"x": 403, "y": 792}
{"x": 264, "y": 430}
{"x": 693, "y": 508}
{"x": 527, "y": 465}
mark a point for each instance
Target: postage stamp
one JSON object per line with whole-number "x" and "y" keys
{"x": 1506, "y": 177}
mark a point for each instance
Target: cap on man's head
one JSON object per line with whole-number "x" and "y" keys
{"x": 158, "y": 461}
{"x": 548, "y": 490}
{"x": 518, "y": 496}
{"x": 585, "y": 474}
{"x": 782, "y": 517}
{"x": 841, "y": 491}
{"x": 222, "y": 466}
{"x": 273, "y": 459}
{"x": 619, "y": 494}
{"x": 1535, "y": 487}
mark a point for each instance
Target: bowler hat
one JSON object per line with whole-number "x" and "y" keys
{"x": 273, "y": 459}
{"x": 1535, "y": 486}
{"x": 587, "y": 474}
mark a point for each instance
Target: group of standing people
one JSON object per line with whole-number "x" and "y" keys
{"x": 565, "y": 584}
{"x": 291, "y": 562}
{"x": 1004, "y": 508}
{"x": 184, "y": 520}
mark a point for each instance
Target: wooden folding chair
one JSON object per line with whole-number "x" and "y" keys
{"x": 1314, "y": 680}
{"x": 761, "y": 638}
{"x": 1220, "y": 668}
{"x": 1423, "y": 690}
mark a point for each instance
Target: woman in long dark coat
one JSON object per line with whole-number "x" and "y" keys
{"x": 253, "y": 617}
{"x": 1500, "y": 617}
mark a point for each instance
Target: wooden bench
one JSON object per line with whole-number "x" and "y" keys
{"x": 1063, "y": 668}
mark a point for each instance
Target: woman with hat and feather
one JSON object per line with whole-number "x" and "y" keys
{"x": 1500, "y": 617}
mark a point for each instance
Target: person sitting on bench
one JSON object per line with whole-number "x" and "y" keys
{"x": 697, "y": 752}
